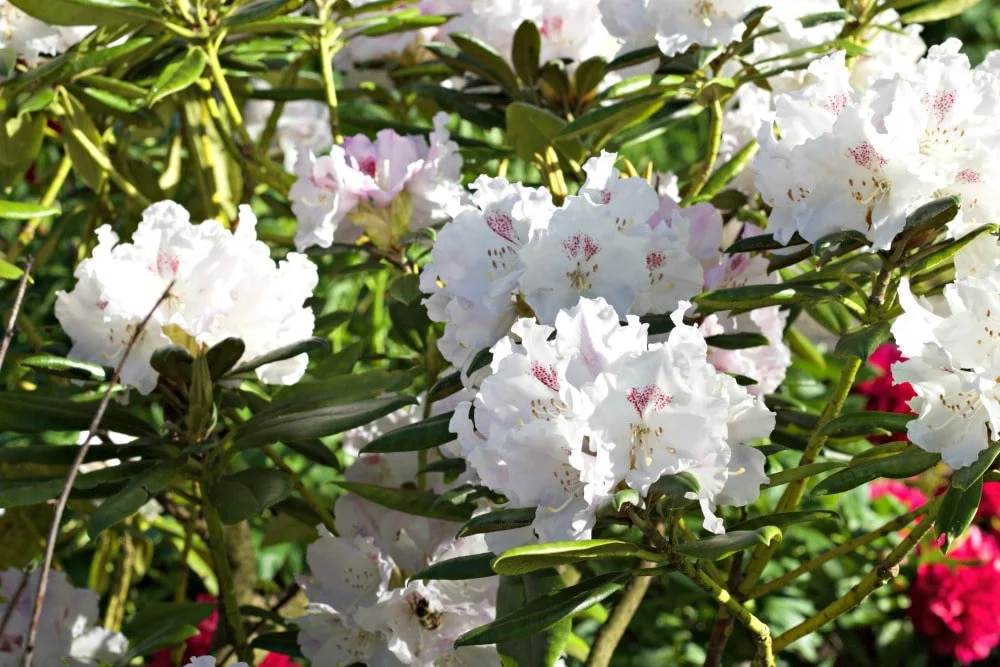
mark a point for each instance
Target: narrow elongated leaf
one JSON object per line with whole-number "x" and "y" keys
{"x": 864, "y": 342}
{"x": 463, "y": 567}
{"x": 282, "y": 353}
{"x": 968, "y": 476}
{"x": 62, "y": 367}
{"x": 720, "y": 546}
{"x": 16, "y": 210}
{"x": 223, "y": 355}
{"x": 315, "y": 451}
{"x": 87, "y": 12}
{"x": 905, "y": 464}
{"x": 945, "y": 251}
{"x": 136, "y": 493}
{"x": 10, "y": 272}
{"x": 58, "y": 455}
{"x": 614, "y": 115}
{"x": 37, "y": 413}
{"x": 488, "y": 59}
{"x": 259, "y": 11}
{"x": 248, "y": 493}
{"x": 858, "y": 424}
{"x": 178, "y": 75}
{"x": 545, "y": 611}
{"x": 409, "y": 501}
{"x": 414, "y": 437}
{"x": 162, "y": 625}
{"x": 526, "y": 51}
{"x": 737, "y": 341}
{"x": 496, "y": 520}
{"x": 545, "y": 648}
{"x": 531, "y": 557}
{"x": 316, "y": 422}
{"x": 758, "y": 296}
{"x": 784, "y": 519}
{"x": 938, "y": 11}
{"x": 958, "y": 509}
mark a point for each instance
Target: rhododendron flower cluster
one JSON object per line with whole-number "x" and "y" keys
{"x": 68, "y": 624}
{"x": 564, "y": 421}
{"x": 953, "y": 355}
{"x": 363, "y": 608}
{"x": 861, "y": 160}
{"x": 383, "y": 188}
{"x": 225, "y": 284}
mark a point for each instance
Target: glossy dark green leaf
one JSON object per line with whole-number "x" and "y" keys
{"x": 248, "y": 493}
{"x": 87, "y": 12}
{"x": 760, "y": 242}
{"x": 136, "y": 493}
{"x": 899, "y": 466}
{"x": 785, "y": 519}
{"x": 409, "y": 501}
{"x": 15, "y": 210}
{"x": 64, "y": 455}
{"x": 531, "y": 557}
{"x": 966, "y": 477}
{"x": 426, "y": 434}
{"x": 546, "y": 610}
{"x": 173, "y": 362}
{"x": 63, "y": 367}
{"x": 935, "y": 214}
{"x": 447, "y": 386}
{"x": 737, "y": 341}
{"x": 488, "y": 58}
{"x": 337, "y": 389}
{"x": 802, "y": 472}
{"x": 315, "y": 451}
{"x": 22, "y": 412}
{"x": 863, "y": 342}
{"x": 857, "y": 424}
{"x": 632, "y": 58}
{"x": 618, "y": 115}
{"x": 498, "y": 519}
{"x": 287, "y": 352}
{"x": 720, "y": 546}
{"x": 285, "y": 643}
{"x": 223, "y": 356}
{"x": 958, "y": 509}
{"x": 545, "y": 648}
{"x": 589, "y": 75}
{"x": 463, "y": 567}
{"x": 526, "y": 52}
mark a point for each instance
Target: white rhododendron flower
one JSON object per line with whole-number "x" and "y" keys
{"x": 225, "y": 284}
{"x": 304, "y": 125}
{"x": 209, "y": 661}
{"x": 29, "y": 38}
{"x": 361, "y": 608}
{"x": 564, "y": 419}
{"x": 953, "y": 365}
{"x": 676, "y": 25}
{"x": 68, "y": 629}
{"x": 340, "y": 196}
{"x": 861, "y": 160}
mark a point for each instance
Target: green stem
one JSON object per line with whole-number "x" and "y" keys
{"x": 324, "y": 515}
{"x": 844, "y": 549}
{"x": 223, "y": 572}
{"x": 711, "y": 157}
{"x": 760, "y": 631}
{"x": 888, "y": 569}
{"x": 793, "y": 492}
{"x": 329, "y": 33}
{"x": 613, "y": 630}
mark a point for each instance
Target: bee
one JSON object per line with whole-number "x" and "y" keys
{"x": 429, "y": 620}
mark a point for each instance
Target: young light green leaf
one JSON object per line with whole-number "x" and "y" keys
{"x": 63, "y": 367}
{"x": 178, "y": 75}
{"x": 531, "y": 557}
{"x": 784, "y": 519}
{"x": 15, "y": 210}
{"x": 937, "y": 11}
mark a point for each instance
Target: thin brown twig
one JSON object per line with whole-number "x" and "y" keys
{"x": 22, "y": 287}
{"x": 50, "y": 542}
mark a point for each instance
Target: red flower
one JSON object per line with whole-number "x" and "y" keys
{"x": 883, "y": 395}
{"x": 201, "y": 644}
{"x": 989, "y": 506}
{"x": 958, "y": 607}
{"x": 909, "y": 496}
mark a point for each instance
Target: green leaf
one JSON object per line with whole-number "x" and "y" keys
{"x": 414, "y": 437}
{"x": 488, "y": 58}
{"x": 802, "y": 472}
{"x": 531, "y": 557}
{"x": 589, "y": 75}
{"x": 248, "y": 493}
{"x": 720, "y": 546}
{"x": 728, "y": 171}
{"x": 635, "y": 57}
{"x": 337, "y": 389}
{"x": 761, "y": 242}
{"x": 285, "y": 643}
{"x": 260, "y": 11}
{"x": 447, "y": 386}
{"x": 545, "y": 648}
{"x": 966, "y": 477}
{"x": 750, "y": 297}
{"x": 863, "y": 342}
{"x": 526, "y": 52}
{"x": 857, "y": 424}
{"x": 405, "y": 289}
{"x": 87, "y": 12}
{"x": 935, "y": 214}
{"x": 784, "y": 519}
{"x": 16, "y": 210}
{"x": 10, "y": 272}
{"x": 136, "y": 493}
{"x": 531, "y": 129}
{"x": 546, "y": 610}
{"x": 938, "y": 11}
{"x": 958, "y": 509}
{"x": 737, "y": 341}
{"x": 626, "y": 497}
{"x": 942, "y": 252}
{"x": 287, "y": 352}
{"x": 499, "y": 519}
{"x": 898, "y": 466}
{"x": 62, "y": 367}
{"x": 673, "y": 489}
{"x": 84, "y": 143}
{"x": 409, "y": 501}
{"x": 178, "y": 75}
{"x": 22, "y": 412}
{"x": 160, "y": 625}
{"x": 315, "y": 451}
{"x": 64, "y": 455}
{"x": 615, "y": 116}
{"x": 223, "y": 356}
{"x": 317, "y": 422}
{"x": 463, "y": 567}
{"x": 174, "y": 363}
